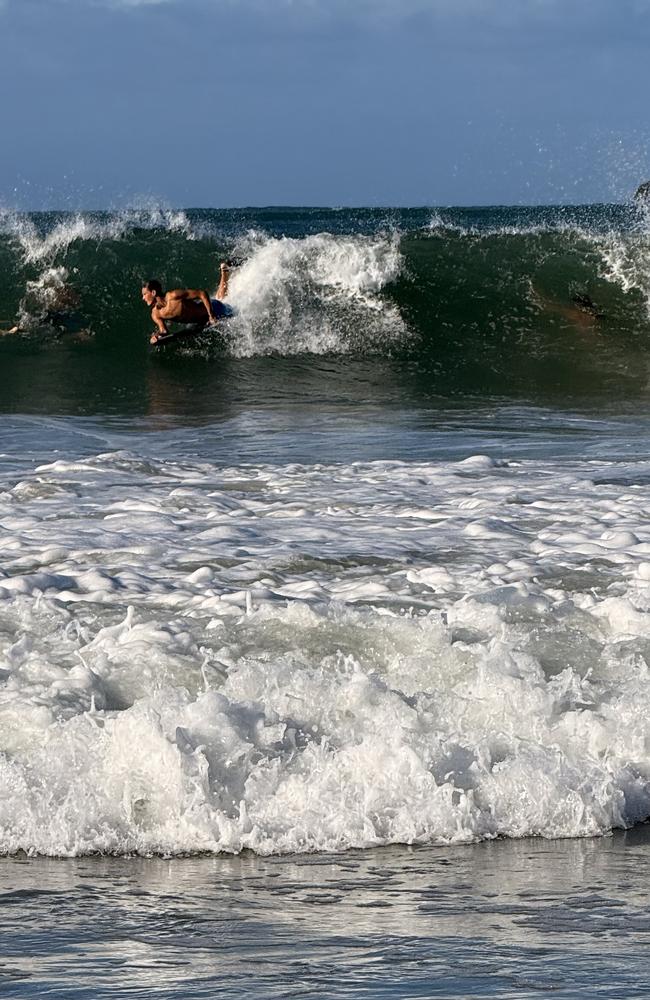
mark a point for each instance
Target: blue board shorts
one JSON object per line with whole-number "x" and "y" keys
{"x": 221, "y": 309}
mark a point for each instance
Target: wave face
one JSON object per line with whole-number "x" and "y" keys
{"x": 521, "y": 301}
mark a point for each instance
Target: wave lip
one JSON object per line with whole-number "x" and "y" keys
{"x": 58, "y": 231}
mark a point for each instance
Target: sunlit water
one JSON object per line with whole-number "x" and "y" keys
{"x": 518, "y": 919}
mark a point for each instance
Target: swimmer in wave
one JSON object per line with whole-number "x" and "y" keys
{"x": 580, "y": 313}
{"x": 50, "y": 304}
{"x": 185, "y": 305}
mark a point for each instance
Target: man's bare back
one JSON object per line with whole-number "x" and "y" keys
{"x": 181, "y": 305}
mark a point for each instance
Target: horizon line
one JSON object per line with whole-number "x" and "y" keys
{"x": 420, "y": 206}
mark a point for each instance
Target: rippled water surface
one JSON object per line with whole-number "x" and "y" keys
{"x": 515, "y": 920}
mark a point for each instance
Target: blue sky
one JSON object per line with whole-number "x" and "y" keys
{"x": 324, "y": 102}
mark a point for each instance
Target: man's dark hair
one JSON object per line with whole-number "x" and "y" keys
{"x": 153, "y": 285}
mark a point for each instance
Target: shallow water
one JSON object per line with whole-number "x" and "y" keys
{"x": 510, "y": 919}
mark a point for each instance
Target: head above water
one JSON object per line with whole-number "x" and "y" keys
{"x": 151, "y": 290}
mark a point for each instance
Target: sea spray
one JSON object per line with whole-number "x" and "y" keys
{"x": 318, "y": 295}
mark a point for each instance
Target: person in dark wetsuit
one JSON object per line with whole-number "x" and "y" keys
{"x": 185, "y": 305}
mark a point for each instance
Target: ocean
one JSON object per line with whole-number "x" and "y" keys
{"x": 325, "y": 635}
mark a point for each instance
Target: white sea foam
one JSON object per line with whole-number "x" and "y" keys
{"x": 319, "y": 294}
{"x": 626, "y": 261}
{"x": 320, "y": 657}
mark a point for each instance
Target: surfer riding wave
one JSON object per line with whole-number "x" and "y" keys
{"x": 185, "y": 305}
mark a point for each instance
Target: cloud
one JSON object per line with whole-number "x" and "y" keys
{"x": 574, "y": 21}
{"x": 454, "y": 24}
{"x": 498, "y": 10}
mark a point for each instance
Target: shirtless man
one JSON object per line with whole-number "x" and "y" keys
{"x": 184, "y": 305}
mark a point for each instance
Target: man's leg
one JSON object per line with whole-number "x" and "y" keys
{"x": 222, "y": 290}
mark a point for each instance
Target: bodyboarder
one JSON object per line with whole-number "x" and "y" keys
{"x": 185, "y": 305}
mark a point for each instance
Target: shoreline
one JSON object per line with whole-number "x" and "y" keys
{"x": 502, "y": 918}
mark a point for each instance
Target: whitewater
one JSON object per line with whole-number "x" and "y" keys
{"x": 289, "y": 657}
